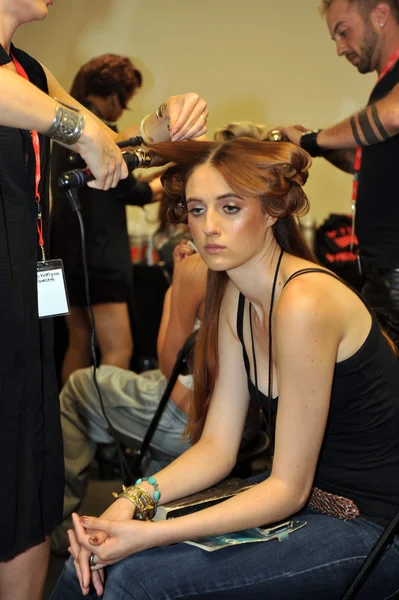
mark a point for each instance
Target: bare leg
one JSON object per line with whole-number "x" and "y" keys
{"x": 78, "y": 354}
{"x": 114, "y": 334}
{"x": 23, "y": 577}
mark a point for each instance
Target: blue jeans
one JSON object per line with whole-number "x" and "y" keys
{"x": 317, "y": 562}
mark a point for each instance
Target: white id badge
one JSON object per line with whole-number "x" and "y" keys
{"x": 52, "y": 295}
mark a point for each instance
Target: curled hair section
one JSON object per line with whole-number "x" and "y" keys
{"x": 273, "y": 172}
{"x": 240, "y": 129}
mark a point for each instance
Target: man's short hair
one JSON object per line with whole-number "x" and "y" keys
{"x": 365, "y": 6}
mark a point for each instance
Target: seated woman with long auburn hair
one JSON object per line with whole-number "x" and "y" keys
{"x": 293, "y": 336}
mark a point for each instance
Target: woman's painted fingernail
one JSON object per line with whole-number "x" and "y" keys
{"x": 84, "y": 519}
{"x": 93, "y": 540}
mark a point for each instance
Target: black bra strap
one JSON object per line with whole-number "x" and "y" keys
{"x": 311, "y": 270}
{"x": 315, "y": 270}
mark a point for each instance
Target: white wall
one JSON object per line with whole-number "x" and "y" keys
{"x": 269, "y": 61}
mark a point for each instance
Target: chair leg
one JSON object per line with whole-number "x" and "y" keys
{"x": 177, "y": 369}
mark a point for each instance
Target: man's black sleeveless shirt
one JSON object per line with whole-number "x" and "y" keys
{"x": 359, "y": 458}
{"x": 377, "y": 207}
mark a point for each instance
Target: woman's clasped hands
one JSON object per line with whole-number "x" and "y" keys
{"x": 110, "y": 538}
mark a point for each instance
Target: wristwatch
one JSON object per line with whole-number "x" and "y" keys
{"x": 309, "y": 143}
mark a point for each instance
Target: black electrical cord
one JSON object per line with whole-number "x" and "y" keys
{"x": 126, "y": 473}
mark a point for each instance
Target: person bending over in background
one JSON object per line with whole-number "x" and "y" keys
{"x": 292, "y": 336}
{"x": 105, "y": 86}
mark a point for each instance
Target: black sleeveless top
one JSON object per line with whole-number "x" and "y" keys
{"x": 31, "y": 455}
{"x": 378, "y": 230}
{"x": 359, "y": 457}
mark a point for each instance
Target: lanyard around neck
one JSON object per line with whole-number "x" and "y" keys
{"x": 36, "y": 148}
{"x": 359, "y": 151}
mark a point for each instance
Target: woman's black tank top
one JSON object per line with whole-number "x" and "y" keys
{"x": 359, "y": 457}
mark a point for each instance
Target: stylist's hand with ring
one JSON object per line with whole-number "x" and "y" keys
{"x": 187, "y": 114}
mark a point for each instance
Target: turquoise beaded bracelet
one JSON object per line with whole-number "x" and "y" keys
{"x": 154, "y": 482}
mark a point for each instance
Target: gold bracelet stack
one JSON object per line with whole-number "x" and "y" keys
{"x": 67, "y": 125}
{"x": 145, "y": 505}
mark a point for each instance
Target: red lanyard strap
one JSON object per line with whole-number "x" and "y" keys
{"x": 36, "y": 148}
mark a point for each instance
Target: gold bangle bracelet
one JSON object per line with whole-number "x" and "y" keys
{"x": 145, "y": 505}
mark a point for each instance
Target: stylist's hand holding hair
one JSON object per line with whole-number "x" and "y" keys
{"x": 187, "y": 116}
{"x": 178, "y": 118}
{"x": 286, "y": 133}
{"x": 294, "y": 133}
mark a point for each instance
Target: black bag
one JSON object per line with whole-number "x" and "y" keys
{"x": 333, "y": 248}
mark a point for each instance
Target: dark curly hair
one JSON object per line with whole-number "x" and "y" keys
{"x": 105, "y": 75}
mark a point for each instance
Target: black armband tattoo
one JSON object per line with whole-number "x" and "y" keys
{"x": 355, "y": 132}
{"x": 376, "y": 118}
{"x": 367, "y": 129}
{"x": 366, "y": 120}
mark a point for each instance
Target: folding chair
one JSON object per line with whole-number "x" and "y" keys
{"x": 180, "y": 367}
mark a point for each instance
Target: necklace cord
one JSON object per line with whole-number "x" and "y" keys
{"x": 268, "y": 421}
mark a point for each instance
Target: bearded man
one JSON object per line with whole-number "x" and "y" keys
{"x": 366, "y": 144}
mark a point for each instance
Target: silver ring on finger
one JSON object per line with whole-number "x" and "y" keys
{"x": 204, "y": 117}
{"x": 91, "y": 560}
